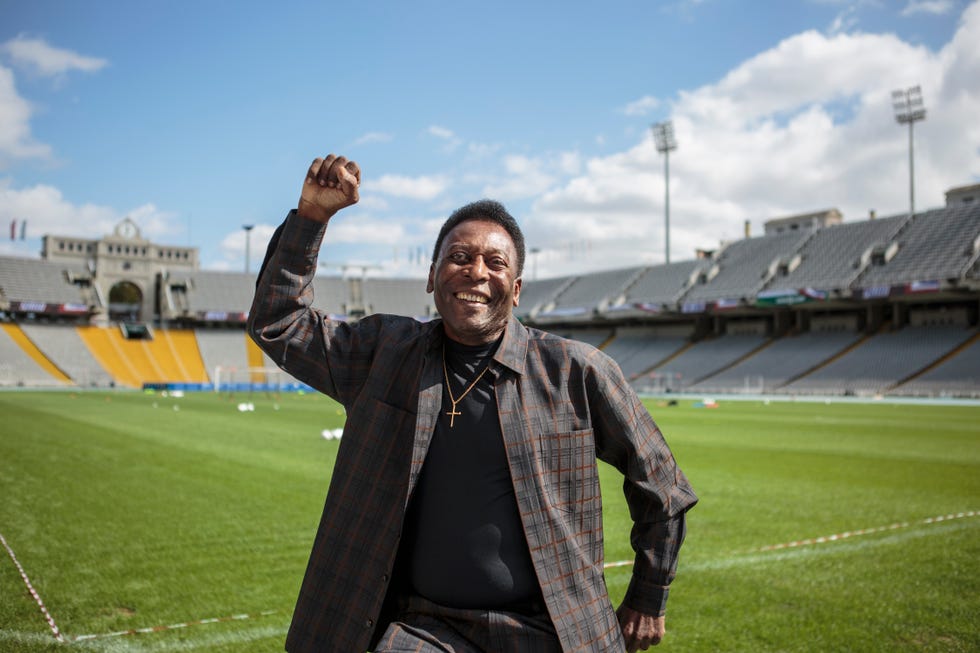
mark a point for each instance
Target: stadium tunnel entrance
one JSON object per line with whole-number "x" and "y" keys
{"x": 125, "y": 302}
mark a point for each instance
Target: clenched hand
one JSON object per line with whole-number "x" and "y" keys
{"x": 331, "y": 184}
{"x": 641, "y": 631}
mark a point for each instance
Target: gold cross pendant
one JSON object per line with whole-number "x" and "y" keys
{"x": 452, "y": 415}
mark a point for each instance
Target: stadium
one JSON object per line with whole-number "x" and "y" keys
{"x": 162, "y": 480}
{"x": 814, "y": 306}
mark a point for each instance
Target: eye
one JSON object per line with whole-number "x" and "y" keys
{"x": 458, "y": 257}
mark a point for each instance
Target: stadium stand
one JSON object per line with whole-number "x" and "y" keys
{"x": 330, "y": 294}
{"x": 538, "y": 295}
{"x": 816, "y": 306}
{"x": 638, "y": 349}
{"x": 22, "y": 364}
{"x": 222, "y": 348}
{"x": 61, "y": 342}
{"x": 745, "y": 267}
{"x": 38, "y": 281}
{"x": 958, "y": 374}
{"x": 659, "y": 287}
{"x": 874, "y": 365}
{"x": 772, "y": 367}
{"x": 589, "y": 294}
{"x": 836, "y": 255}
{"x": 937, "y": 245}
{"x": 707, "y": 357}
{"x": 221, "y": 292}
{"x": 594, "y": 337}
{"x": 398, "y": 296}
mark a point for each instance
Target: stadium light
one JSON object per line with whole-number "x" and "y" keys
{"x": 909, "y": 108}
{"x": 248, "y": 230}
{"x": 534, "y": 261}
{"x": 663, "y": 136}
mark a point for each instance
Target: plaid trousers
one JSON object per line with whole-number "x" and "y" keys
{"x": 426, "y": 627}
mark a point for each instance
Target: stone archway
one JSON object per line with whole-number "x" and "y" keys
{"x": 125, "y": 302}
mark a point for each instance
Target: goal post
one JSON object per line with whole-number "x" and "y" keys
{"x": 231, "y": 379}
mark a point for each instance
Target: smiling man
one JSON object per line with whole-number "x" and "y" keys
{"x": 464, "y": 512}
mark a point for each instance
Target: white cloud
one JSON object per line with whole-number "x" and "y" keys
{"x": 47, "y": 212}
{"x": 361, "y": 229}
{"x": 154, "y": 223}
{"x": 451, "y": 140}
{"x": 441, "y": 132}
{"x": 232, "y": 248}
{"x": 16, "y": 141}
{"x": 525, "y": 177}
{"x": 936, "y": 7}
{"x": 374, "y": 137}
{"x": 806, "y": 125}
{"x": 418, "y": 188}
{"x": 845, "y": 21}
{"x": 641, "y": 107}
{"x": 41, "y": 58}
{"x": 482, "y": 150}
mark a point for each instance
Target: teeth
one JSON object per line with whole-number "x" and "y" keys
{"x": 465, "y": 296}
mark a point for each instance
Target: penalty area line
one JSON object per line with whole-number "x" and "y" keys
{"x": 836, "y": 537}
{"x": 30, "y": 588}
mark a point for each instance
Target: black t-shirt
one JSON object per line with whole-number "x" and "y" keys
{"x": 465, "y": 543}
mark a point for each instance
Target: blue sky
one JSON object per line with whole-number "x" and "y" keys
{"x": 196, "y": 118}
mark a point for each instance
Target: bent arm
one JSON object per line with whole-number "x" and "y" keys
{"x": 281, "y": 320}
{"x": 656, "y": 490}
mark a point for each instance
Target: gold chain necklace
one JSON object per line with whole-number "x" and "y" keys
{"x": 453, "y": 412}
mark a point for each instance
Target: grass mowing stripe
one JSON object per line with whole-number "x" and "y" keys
{"x": 37, "y": 597}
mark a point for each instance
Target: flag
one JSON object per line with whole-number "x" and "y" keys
{"x": 876, "y": 292}
{"x": 922, "y": 286}
{"x": 13, "y": 229}
{"x": 649, "y": 307}
{"x": 23, "y": 229}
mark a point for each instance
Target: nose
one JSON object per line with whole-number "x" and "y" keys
{"x": 478, "y": 269}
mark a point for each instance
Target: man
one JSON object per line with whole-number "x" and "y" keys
{"x": 464, "y": 511}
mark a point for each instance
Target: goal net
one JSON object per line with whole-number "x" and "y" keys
{"x": 233, "y": 380}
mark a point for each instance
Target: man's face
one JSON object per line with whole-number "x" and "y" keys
{"x": 474, "y": 281}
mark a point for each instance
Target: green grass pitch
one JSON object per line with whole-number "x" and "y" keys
{"x": 130, "y": 511}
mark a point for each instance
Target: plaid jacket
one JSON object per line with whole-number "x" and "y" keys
{"x": 561, "y": 405}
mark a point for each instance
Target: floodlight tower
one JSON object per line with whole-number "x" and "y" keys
{"x": 534, "y": 262}
{"x": 248, "y": 231}
{"x": 663, "y": 136}
{"x": 909, "y": 108}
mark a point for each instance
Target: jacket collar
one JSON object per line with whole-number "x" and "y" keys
{"x": 512, "y": 352}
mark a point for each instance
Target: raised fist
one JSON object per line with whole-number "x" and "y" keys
{"x": 331, "y": 184}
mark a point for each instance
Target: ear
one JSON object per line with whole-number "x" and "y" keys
{"x": 517, "y": 290}
{"x": 430, "y": 286}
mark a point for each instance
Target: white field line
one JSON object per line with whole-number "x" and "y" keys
{"x": 30, "y": 588}
{"x": 621, "y": 563}
{"x": 177, "y": 626}
{"x": 837, "y": 536}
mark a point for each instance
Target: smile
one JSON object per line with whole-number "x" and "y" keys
{"x": 470, "y": 297}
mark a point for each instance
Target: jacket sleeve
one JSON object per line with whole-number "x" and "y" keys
{"x": 300, "y": 339}
{"x": 657, "y": 492}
